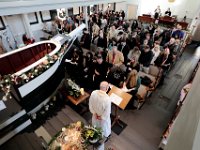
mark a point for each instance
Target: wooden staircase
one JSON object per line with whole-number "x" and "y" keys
{"x": 53, "y": 124}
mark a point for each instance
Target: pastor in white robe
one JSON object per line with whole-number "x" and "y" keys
{"x": 100, "y": 107}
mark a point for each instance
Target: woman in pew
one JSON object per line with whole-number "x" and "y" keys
{"x": 161, "y": 60}
{"x": 88, "y": 69}
{"x": 100, "y": 71}
{"x": 131, "y": 85}
{"x": 102, "y": 41}
{"x": 164, "y": 61}
{"x": 74, "y": 65}
{"x": 133, "y": 57}
{"x": 156, "y": 52}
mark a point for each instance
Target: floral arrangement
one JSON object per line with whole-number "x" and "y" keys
{"x": 92, "y": 134}
{"x": 70, "y": 138}
{"x": 7, "y": 80}
{"x": 72, "y": 88}
{"x": 76, "y": 136}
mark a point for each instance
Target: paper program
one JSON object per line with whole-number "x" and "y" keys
{"x": 115, "y": 99}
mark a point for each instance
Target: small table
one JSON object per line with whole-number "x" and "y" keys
{"x": 80, "y": 99}
{"x": 125, "y": 100}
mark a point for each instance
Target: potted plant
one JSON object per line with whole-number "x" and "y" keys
{"x": 92, "y": 134}
{"x": 72, "y": 88}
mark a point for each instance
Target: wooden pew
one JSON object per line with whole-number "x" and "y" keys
{"x": 146, "y": 19}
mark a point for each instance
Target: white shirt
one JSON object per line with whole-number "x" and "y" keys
{"x": 103, "y": 23}
{"x": 156, "y": 54}
{"x": 112, "y": 34}
{"x": 100, "y": 104}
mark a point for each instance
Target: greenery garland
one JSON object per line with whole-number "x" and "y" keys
{"x": 11, "y": 79}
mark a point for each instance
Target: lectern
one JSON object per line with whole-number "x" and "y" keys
{"x": 120, "y": 99}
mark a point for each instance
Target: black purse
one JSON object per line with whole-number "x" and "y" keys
{"x": 146, "y": 81}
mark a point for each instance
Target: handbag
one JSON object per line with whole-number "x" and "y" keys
{"x": 146, "y": 81}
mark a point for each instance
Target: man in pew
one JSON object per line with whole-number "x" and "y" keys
{"x": 145, "y": 59}
{"x": 85, "y": 39}
{"x": 173, "y": 48}
{"x": 178, "y": 33}
{"x": 124, "y": 48}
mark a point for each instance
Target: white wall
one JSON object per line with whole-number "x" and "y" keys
{"x": 179, "y": 7}
{"x": 195, "y": 26}
{"x": 76, "y": 10}
{"x": 120, "y": 6}
{"x": 37, "y": 28}
{"x": 185, "y": 133}
{"x": 105, "y": 7}
{"x": 133, "y": 1}
{"x": 196, "y": 33}
{"x": 15, "y": 25}
{"x": 8, "y": 8}
{"x": 132, "y": 11}
{"x": 15, "y": 29}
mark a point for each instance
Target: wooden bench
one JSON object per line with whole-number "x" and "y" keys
{"x": 144, "y": 91}
{"x": 141, "y": 95}
{"x": 154, "y": 74}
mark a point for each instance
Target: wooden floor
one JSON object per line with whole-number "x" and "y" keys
{"x": 144, "y": 127}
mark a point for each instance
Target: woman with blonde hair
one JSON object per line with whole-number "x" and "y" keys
{"x": 131, "y": 85}
{"x": 133, "y": 57}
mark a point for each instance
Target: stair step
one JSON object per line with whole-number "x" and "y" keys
{"x": 44, "y": 136}
{"x": 12, "y": 119}
{"x": 34, "y": 141}
{"x": 14, "y": 124}
{"x": 23, "y": 142}
{"x": 64, "y": 118}
{"x": 10, "y": 145}
{"x": 13, "y": 132}
{"x": 51, "y": 130}
{"x": 55, "y": 122}
{"x": 74, "y": 116}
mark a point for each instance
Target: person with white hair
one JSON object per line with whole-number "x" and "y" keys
{"x": 100, "y": 107}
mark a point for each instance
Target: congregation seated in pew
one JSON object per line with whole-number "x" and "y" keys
{"x": 119, "y": 48}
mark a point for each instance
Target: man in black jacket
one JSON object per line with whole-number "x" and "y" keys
{"x": 124, "y": 48}
{"x": 145, "y": 59}
{"x": 85, "y": 39}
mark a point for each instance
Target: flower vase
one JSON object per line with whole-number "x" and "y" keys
{"x": 93, "y": 141}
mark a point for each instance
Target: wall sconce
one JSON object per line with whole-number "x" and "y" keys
{"x": 171, "y": 1}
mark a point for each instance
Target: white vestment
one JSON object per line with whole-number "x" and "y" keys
{"x": 100, "y": 104}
